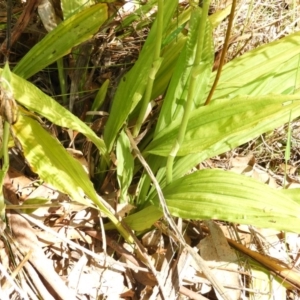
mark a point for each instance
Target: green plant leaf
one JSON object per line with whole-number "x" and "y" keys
{"x": 6, "y": 76}
{"x": 36, "y": 101}
{"x": 176, "y": 97}
{"x": 57, "y": 167}
{"x": 214, "y": 194}
{"x": 59, "y": 42}
{"x": 226, "y": 124}
{"x": 173, "y": 43}
{"x": 171, "y": 51}
{"x": 219, "y": 16}
{"x": 155, "y": 163}
{"x": 70, "y": 7}
{"x": 51, "y": 161}
{"x": 231, "y": 139}
{"x": 132, "y": 86}
{"x": 125, "y": 165}
{"x": 271, "y": 68}
{"x": 170, "y": 54}
{"x": 292, "y": 193}
{"x": 141, "y": 220}
{"x": 100, "y": 97}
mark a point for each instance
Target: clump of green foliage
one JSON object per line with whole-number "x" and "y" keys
{"x": 256, "y": 93}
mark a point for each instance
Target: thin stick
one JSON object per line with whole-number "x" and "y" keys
{"x": 224, "y": 51}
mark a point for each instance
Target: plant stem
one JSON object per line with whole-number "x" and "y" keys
{"x": 224, "y": 51}
{"x": 191, "y": 93}
{"x": 5, "y": 146}
{"x": 155, "y": 67}
{"x": 5, "y": 166}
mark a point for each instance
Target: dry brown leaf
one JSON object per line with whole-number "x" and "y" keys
{"x": 261, "y": 176}
{"x": 246, "y": 165}
{"x": 83, "y": 217}
{"x": 70, "y": 233}
{"x": 153, "y": 239}
{"x": 25, "y": 236}
{"x": 107, "y": 283}
{"x": 242, "y": 164}
{"x": 75, "y": 274}
{"x": 216, "y": 250}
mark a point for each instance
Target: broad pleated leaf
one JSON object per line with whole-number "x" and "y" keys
{"x": 271, "y": 68}
{"x": 55, "y": 166}
{"x": 36, "y": 101}
{"x": 175, "y": 99}
{"x": 132, "y": 86}
{"x": 217, "y": 194}
{"x": 293, "y": 194}
{"x": 59, "y": 42}
{"x": 227, "y": 124}
{"x": 125, "y": 165}
{"x": 52, "y": 162}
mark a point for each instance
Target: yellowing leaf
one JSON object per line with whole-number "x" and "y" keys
{"x": 52, "y": 162}
{"x": 36, "y": 101}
